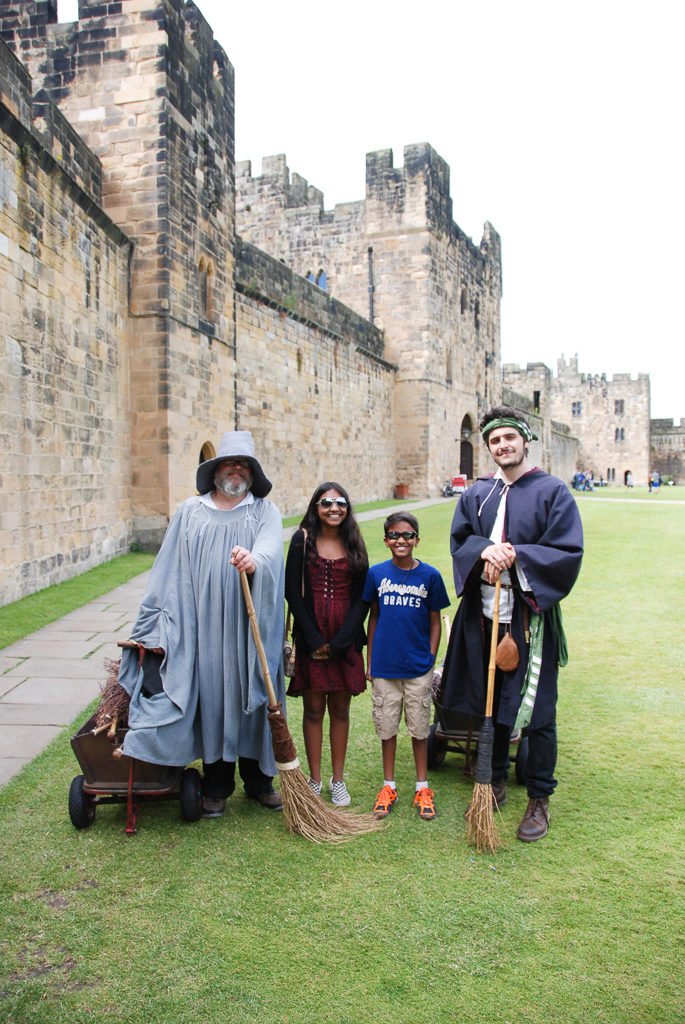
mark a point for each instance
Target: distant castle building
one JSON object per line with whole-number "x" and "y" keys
{"x": 156, "y": 294}
{"x": 668, "y": 449}
{"x": 608, "y": 416}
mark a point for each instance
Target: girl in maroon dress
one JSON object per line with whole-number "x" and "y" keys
{"x": 324, "y": 579}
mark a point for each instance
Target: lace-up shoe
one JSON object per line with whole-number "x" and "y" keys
{"x": 535, "y": 821}
{"x": 424, "y": 802}
{"x": 385, "y": 801}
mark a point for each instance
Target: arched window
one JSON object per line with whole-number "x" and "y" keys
{"x": 207, "y": 452}
{"x": 322, "y": 280}
{"x": 310, "y": 277}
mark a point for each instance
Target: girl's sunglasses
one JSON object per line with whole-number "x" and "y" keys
{"x": 406, "y": 534}
{"x": 327, "y": 503}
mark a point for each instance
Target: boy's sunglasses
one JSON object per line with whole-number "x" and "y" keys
{"x": 405, "y": 534}
{"x": 327, "y": 503}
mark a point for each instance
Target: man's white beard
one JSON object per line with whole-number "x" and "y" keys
{"x": 233, "y": 490}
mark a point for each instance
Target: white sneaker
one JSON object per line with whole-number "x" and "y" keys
{"x": 339, "y": 794}
{"x": 315, "y": 786}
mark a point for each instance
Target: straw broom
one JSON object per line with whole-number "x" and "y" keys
{"x": 305, "y": 813}
{"x": 480, "y": 819}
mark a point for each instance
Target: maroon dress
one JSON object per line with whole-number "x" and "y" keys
{"x": 330, "y": 582}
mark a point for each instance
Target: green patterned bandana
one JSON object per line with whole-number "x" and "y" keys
{"x": 509, "y": 421}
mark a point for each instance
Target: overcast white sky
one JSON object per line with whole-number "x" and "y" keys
{"x": 562, "y": 124}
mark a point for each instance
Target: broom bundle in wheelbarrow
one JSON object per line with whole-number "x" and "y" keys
{"x": 305, "y": 812}
{"x": 112, "y": 712}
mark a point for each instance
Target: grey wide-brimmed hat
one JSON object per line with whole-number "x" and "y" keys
{"x": 236, "y": 444}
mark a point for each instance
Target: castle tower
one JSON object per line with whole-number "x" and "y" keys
{"x": 398, "y": 258}
{"x": 152, "y": 94}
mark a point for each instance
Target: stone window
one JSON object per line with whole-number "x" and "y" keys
{"x": 619, "y": 407}
{"x": 206, "y": 294}
{"x": 619, "y": 434}
{"x": 310, "y": 277}
{"x": 577, "y": 409}
{"x": 536, "y": 401}
{"x": 464, "y": 300}
{"x": 476, "y": 314}
{"x": 322, "y": 280}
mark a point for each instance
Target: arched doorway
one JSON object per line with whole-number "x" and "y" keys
{"x": 466, "y": 448}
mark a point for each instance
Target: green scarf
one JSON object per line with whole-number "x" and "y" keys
{"x": 532, "y": 677}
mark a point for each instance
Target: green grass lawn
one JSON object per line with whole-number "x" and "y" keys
{"x": 234, "y": 920}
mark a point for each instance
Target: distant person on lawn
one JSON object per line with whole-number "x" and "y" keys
{"x": 406, "y": 597}
{"x": 522, "y": 524}
{"x": 200, "y": 692}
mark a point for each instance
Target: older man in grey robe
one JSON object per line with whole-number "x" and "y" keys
{"x": 200, "y": 690}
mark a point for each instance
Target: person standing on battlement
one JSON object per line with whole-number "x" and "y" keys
{"x": 524, "y": 525}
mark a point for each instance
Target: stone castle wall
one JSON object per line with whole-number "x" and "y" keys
{"x": 668, "y": 449}
{"x": 311, "y": 382}
{"x": 65, "y": 420}
{"x": 152, "y": 95}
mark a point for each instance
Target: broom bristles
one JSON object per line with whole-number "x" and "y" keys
{"x": 307, "y": 815}
{"x": 481, "y": 831}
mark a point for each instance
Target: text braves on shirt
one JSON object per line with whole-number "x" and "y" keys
{"x": 401, "y": 593}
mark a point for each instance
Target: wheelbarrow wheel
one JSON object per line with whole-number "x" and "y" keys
{"x": 436, "y": 748}
{"x": 81, "y": 804}
{"x": 521, "y": 760}
{"x": 190, "y": 794}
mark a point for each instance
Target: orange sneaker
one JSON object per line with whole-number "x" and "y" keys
{"x": 385, "y": 801}
{"x": 424, "y": 803}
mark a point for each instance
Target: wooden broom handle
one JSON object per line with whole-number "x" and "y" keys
{"x": 493, "y": 650}
{"x": 252, "y": 615}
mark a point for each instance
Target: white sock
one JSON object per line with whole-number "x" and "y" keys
{"x": 391, "y": 784}
{"x": 421, "y": 785}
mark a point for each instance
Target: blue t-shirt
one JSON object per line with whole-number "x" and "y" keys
{"x": 401, "y": 642}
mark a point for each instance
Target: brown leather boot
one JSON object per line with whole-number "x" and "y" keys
{"x": 535, "y": 821}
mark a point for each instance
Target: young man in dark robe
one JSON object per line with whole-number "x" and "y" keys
{"x": 523, "y": 524}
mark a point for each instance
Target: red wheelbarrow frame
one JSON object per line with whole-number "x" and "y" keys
{"x": 110, "y": 779}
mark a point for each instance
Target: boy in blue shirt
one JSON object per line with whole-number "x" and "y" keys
{"x": 406, "y": 598}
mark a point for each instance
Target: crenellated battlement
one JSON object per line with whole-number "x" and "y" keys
{"x": 275, "y": 185}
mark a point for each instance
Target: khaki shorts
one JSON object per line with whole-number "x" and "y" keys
{"x": 389, "y": 695}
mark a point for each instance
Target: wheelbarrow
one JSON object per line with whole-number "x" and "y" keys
{"x": 112, "y": 780}
{"x": 457, "y": 732}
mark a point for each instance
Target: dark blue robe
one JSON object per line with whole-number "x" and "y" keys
{"x": 543, "y": 524}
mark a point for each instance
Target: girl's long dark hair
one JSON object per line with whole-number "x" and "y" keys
{"x": 353, "y": 542}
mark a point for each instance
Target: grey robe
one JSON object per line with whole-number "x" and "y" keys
{"x": 214, "y": 701}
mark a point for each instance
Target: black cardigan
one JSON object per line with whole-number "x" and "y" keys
{"x": 306, "y": 630}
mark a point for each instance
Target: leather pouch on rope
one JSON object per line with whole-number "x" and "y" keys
{"x": 507, "y": 656}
